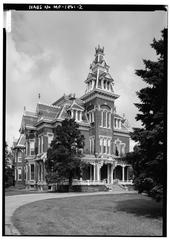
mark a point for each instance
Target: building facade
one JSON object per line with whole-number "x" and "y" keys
{"x": 18, "y": 150}
{"x": 106, "y": 133}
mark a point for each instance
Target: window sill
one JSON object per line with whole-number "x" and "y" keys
{"x": 105, "y": 127}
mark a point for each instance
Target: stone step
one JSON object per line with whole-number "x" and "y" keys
{"x": 116, "y": 187}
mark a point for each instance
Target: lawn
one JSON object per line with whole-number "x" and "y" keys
{"x": 116, "y": 215}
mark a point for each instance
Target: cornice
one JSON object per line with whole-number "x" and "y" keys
{"x": 100, "y": 94}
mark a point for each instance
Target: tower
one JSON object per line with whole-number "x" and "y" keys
{"x": 99, "y": 101}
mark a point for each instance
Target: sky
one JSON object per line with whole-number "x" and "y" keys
{"x": 50, "y": 53}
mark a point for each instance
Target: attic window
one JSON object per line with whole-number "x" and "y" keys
{"x": 77, "y": 115}
{"x": 117, "y": 123}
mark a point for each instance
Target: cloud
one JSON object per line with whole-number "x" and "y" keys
{"x": 50, "y": 53}
{"x": 127, "y": 86}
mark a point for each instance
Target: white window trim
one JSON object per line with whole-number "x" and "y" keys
{"x": 31, "y": 140}
{"x": 119, "y": 147}
{"x": 117, "y": 123}
{"x": 20, "y": 159}
{"x": 19, "y": 168}
{"x": 39, "y": 142}
{"x": 52, "y": 138}
{"x": 108, "y": 115}
{"x": 92, "y": 147}
{"x": 103, "y": 140}
{"x": 91, "y": 116}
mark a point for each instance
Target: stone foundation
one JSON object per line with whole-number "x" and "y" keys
{"x": 81, "y": 188}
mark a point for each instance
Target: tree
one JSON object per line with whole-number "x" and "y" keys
{"x": 148, "y": 159}
{"x": 9, "y": 171}
{"x": 64, "y": 155}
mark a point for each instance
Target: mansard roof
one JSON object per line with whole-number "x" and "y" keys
{"x": 63, "y": 112}
{"x": 67, "y": 99}
{"x": 28, "y": 120}
{"x": 47, "y": 111}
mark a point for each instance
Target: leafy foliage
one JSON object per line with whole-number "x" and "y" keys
{"x": 65, "y": 152}
{"x": 147, "y": 159}
{"x": 9, "y": 171}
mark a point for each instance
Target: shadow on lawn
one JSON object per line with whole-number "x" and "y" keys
{"x": 141, "y": 207}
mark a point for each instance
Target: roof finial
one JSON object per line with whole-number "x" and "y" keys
{"x": 39, "y": 97}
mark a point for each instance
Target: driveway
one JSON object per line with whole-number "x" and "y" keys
{"x": 14, "y": 202}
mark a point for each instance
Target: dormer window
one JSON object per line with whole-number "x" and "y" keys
{"x": 76, "y": 114}
{"x": 117, "y": 123}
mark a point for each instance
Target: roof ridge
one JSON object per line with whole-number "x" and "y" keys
{"x": 49, "y": 105}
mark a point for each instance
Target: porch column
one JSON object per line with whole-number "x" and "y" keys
{"x": 123, "y": 173}
{"x": 112, "y": 168}
{"x": 108, "y": 173}
{"x": 80, "y": 116}
{"x": 98, "y": 173}
{"x": 71, "y": 113}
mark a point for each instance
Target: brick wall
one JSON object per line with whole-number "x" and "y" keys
{"x": 87, "y": 143}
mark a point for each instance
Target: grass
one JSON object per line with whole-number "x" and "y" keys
{"x": 104, "y": 215}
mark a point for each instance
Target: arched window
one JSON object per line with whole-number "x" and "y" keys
{"x": 91, "y": 139}
{"x": 108, "y": 119}
{"x": 115, "y": 122}
{"x": 108, "y": 146}
{"x": 104, "y": 84}
{"x": 90, "y": 116}
{"x": 119, "y": 148}
{"x": 105, "y": 146}
{"x": 122, "y": 149}
{"x": 101, "y": 144}
{"x": 101, "y": 119}
{"x": 99, "y": 84}
{"x": 105, "y": 143}
{"x": 116, "y": 151}
{"x": 104, "y": 118}
{"x": 108, "y": 84}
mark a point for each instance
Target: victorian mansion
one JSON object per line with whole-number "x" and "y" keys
{"x": 106, "y": 133}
